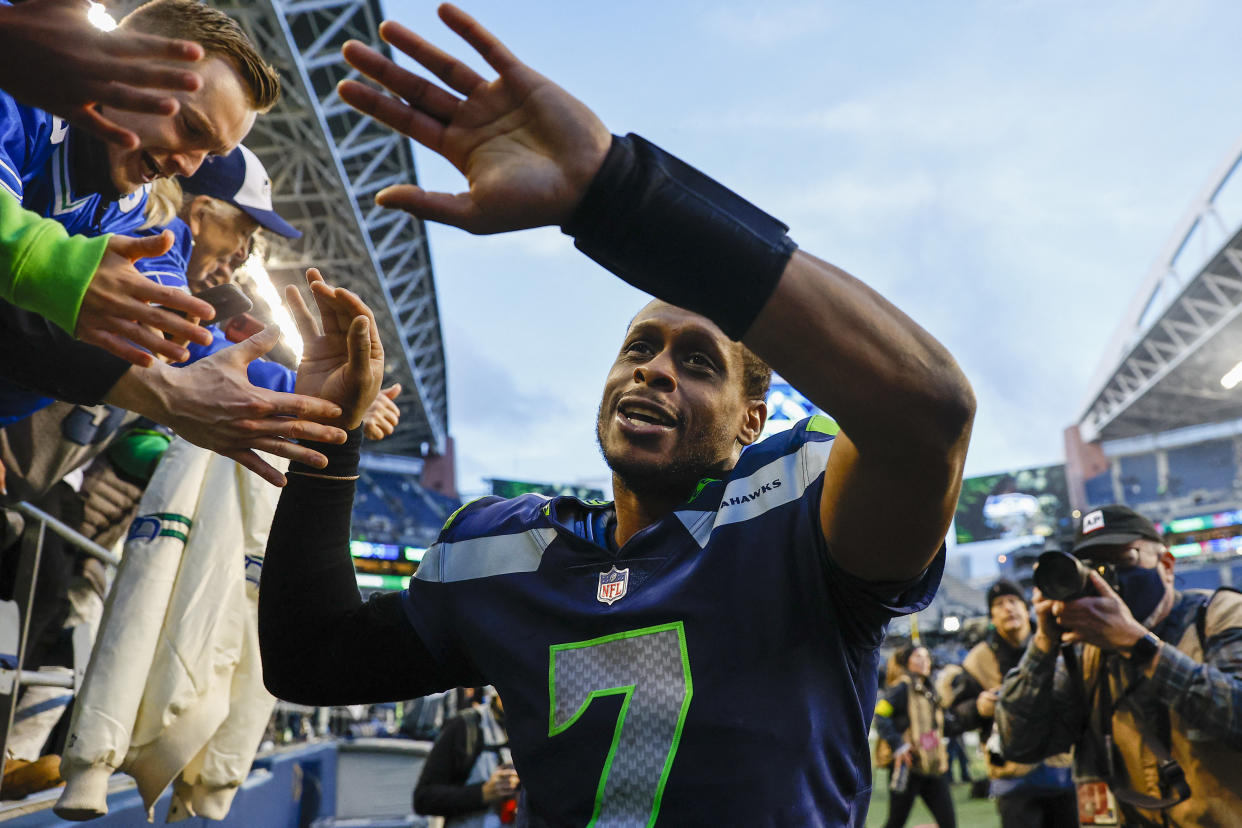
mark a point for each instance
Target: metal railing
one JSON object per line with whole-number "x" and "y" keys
{"x": 37, "y": 523}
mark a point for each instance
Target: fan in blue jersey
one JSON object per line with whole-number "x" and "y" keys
{"x": 94, "y": 188}
{"x": 222, "y": 208}
{"x": 640, "y": 645}
{"x": 80, "y": 184}
{"x": 225, "y": 203}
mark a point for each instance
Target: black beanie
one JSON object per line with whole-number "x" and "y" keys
{"x": 1004, "y": 587}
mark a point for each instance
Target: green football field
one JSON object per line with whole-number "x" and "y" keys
{"x": 971, "y": 813}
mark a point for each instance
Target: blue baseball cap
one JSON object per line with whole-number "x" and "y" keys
{"x": 240, "y": 179}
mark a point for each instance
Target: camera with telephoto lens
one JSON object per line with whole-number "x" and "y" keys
{"x": 1063, "y": 577}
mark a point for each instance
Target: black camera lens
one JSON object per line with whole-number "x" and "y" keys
{"x": 1062, "y": 577}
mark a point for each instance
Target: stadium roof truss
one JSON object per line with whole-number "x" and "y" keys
{"x": 326, "y": 163}
{"x": 1183, "y": 331}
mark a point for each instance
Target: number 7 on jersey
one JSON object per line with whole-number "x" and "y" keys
{"x": 651, "y": 669}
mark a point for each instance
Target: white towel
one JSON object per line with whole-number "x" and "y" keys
{"x": 173, "y": 663}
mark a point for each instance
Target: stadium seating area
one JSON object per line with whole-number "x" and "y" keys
{"x": 1140, "y": 482}
{"x": 1100, "y": 489}
{"x": 1175, "y": 482}
{"x": 393, "y": 508}
{"x": 1207, "y": 467}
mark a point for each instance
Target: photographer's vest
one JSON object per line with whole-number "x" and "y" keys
{"x": 925, "y": 734}
{"x": 1213, "y": 769}
{"x": 982, "y": 665}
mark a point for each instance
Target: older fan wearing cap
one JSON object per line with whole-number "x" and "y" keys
{"x": 1144, "y": 681}
{"x": 1027, "y": 794}
{"x": 225, "y": 204}
{"x": 219, "y": 213}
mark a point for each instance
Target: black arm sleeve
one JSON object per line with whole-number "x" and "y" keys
{"x": 441, "y": 789}
{"x": 37, "y": 355}
{"x": 320, "y": 644}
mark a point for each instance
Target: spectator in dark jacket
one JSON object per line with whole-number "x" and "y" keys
{"x": 468, "y": 777}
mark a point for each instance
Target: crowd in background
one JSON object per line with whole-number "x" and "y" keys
{"x": 128, "y": 212}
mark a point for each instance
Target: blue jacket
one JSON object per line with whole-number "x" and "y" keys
{"x": 62, "y": 174}
{"x": 170, "y": 269}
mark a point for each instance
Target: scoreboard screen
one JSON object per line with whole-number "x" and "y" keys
{"x": 384, "y": 565}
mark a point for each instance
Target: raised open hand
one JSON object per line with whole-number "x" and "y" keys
{"x": 344, "y": 363}
{"x": 527, "y": 147}
{"x": 53, "y": 58}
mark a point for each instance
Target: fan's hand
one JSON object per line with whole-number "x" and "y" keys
{"x": 53, "y": 58}
{"x": 382, "y": 417}
{"x": 123, "y": 309}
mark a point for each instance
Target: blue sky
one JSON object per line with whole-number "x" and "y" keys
{"x": 1005, "y": 172}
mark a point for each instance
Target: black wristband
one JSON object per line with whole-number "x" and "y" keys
{"x": 671, "y": 231}
{"x": 342, "y": 457}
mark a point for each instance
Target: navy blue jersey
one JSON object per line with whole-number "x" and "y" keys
{"x": 718, "y": 669}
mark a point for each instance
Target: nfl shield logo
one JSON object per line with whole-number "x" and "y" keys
{"x": 612, "y": 585}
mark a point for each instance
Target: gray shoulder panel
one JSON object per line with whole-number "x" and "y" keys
{"x": 485, "y": 557}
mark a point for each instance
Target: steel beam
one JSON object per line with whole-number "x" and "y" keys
{"x": 326, "y": 162}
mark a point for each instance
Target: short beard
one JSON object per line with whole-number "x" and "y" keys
{"x": 674, "y": 477}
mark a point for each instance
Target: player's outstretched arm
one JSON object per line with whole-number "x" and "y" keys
{"x": 319, "y": 642}
{"x": 904, "y": 407}
{"x": 53, "y": 58}
{"x": 534, "y": 155}
{"x": 212, "y": 404}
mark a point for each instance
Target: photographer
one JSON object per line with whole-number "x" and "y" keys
{"x": 1034, "y": 794}
{"x": 1148, "y": 688}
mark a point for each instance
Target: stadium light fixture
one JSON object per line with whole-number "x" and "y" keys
{"x": 951, "y": 623}
{"x": 1231, "y": 379}
{"x": 280, "y": 314}
{"x": 99, "y": 17}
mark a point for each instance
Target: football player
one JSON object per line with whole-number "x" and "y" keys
{"x": 703, "y": 650}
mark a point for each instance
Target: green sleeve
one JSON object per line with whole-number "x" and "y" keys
{"x": 42, "y": 268}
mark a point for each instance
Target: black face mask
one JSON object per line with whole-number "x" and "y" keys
{"x": 1139, "y": 587}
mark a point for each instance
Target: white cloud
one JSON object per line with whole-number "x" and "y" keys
{"x": 767, "y": 25}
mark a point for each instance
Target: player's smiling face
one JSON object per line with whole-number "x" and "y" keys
{"x": 212, "y": 120}
{"x": 673, "y": 409}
